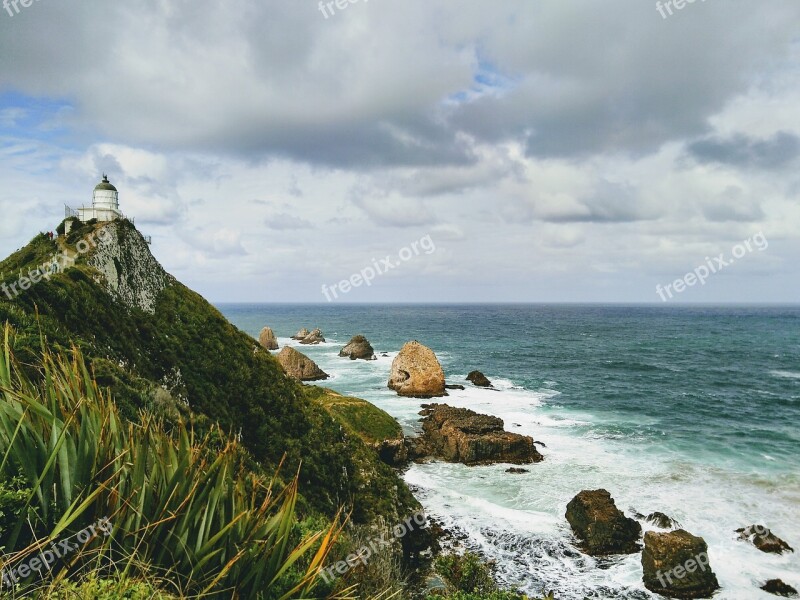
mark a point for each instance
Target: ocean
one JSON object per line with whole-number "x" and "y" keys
{"x": 691, "y": 411}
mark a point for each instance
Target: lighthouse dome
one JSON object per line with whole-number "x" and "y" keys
{"x": 105, "y": 185}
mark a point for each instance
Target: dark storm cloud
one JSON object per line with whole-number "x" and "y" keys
{"x": 743, "y": 151}
{"x": 384, "y": 85}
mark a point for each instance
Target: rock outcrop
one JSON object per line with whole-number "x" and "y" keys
{"x": 299, "y": 366}
{"x": 358, "y": 348}
{"x": 479, "y": 379}
{"x": 600, "y": 526}
{"x": 126, "y": 268}
{"x": 462, "y": 435}
{"x": 763, "y": 539}
{"x": 301, "y": 334}
{"x": 313, "y": 338}
{"x": 777, "y": 587}
{"x": 267, "y": 339}
{"x": 676, "y": 565}
{"x": 662, "y": 521}
{"x": 416, "y": 372}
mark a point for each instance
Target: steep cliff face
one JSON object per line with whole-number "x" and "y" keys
{"x": 128, "y": 271}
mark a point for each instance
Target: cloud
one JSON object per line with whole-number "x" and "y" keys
{"x": 284, "y": 222}
{"x": 743, "y": 151}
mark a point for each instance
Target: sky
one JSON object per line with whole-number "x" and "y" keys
{"x": 504, "y": 151}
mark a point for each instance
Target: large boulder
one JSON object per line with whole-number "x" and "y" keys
{"x": 676, "y": 565}
{"x": 416, "y": 372}
{"x": 313, "y": 338}
{"x": 763, "y": 539}
{"x": 600, "y": 526}
{"x": 358, "y": 347}
{"x": 301, "y": 334}
{"x": 462, "y": 435}
{"x": 267, "y": 339}
{"x": 299, "y": 366}
{"x": 479, "y": 379}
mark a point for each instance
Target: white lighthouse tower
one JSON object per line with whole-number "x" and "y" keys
{"x": 105, "y": 201}
{"x": 105, "y": 204}
{"x": 104, "y": 208}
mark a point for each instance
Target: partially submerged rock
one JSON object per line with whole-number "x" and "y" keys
{"x": 600, "y": 526}
{"x": 479, "y": 379}
{"x": 313, "y": 338}
{"x": 517, "y": 471}
{"x": 358, "y": 348}
{"x": 267, "y": 339}
{"x": 416, "y": 372}
{"x": 763, "y": 539}
{"x": 777, "y": 587}
{"x": 662, "y": 521}
{"x": 301, "y": 334}
{"x": 462, "y": 435}
{"x": 676, "y": 565}
{"x": 298, "y": 365}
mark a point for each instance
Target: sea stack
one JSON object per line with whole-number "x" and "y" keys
{"x": 358, "y": 348}
{"x": 298, "y": 365}
{"x": 416, "y": 373}
{"x": 313, "y": 338}
{"x": 267, "y": 339}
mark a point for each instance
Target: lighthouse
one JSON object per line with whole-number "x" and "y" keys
{"x": 105, "y": 204}
{"x": 104, "y": 208}
{"x": 105, "y": 201}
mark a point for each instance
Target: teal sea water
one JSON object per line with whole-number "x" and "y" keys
{"x": 692, "y": 411}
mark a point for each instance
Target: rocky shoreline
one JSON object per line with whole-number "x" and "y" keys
{"x": 675, "y": 563}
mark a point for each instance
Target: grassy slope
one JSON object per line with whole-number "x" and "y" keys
{"x": 189, "y": 348}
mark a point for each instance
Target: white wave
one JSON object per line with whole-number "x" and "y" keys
{"x": 785, "y": 374}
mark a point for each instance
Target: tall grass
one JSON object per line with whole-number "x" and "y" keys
{"x": 183, "y": 507}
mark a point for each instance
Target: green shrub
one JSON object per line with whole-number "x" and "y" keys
{"x": 178, "y": 503}
{"x": 466, "y": 573}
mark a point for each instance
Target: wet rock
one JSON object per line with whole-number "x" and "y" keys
{"x": 779, "y": 588}
{"x": 301, "y": 334}
{"x": 454, "y": 387}
{"x": 763, "y": 539}
{"x": 600, "y": 526}
{"x": 662, "y": 521}
{"x": 517, "y": 470}
{"x": 676, "y": 565}
{"x": 479, "y": 379}
{"x": 393, "y": 452}
{"x": 462, "y": 435}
